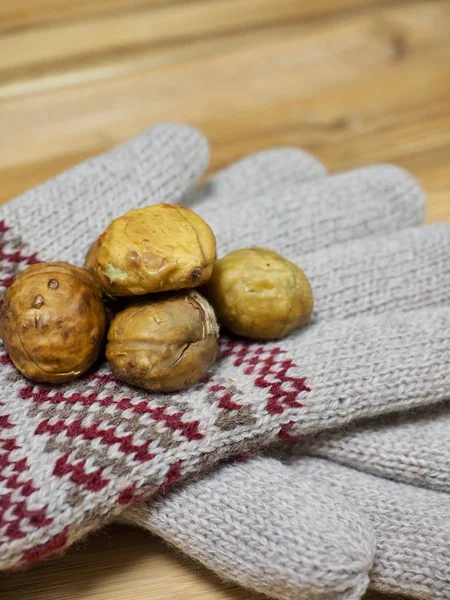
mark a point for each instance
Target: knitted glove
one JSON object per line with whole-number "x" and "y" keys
{"x": 294, "y": 531}
{"x": 75, "y": 456}
{"x": 413, "y": 448}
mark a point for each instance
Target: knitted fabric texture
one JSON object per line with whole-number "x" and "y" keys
{"x": 300, "y": 531}
{"x": 224, "y": 521}
{"x": 263, "y": 526}
{"x": 74, "y": 456}
{"x": 412, "y": 448}
{"x": 411, "y": 525}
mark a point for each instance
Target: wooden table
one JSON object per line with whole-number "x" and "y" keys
{"x": 354, "y": 81}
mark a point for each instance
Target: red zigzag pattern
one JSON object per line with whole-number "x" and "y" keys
{"x": 270, "y": 370}
{"x": 16, "y": 487}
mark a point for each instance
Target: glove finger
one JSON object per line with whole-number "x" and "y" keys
{"x": 244, "y": 523}
{"x": 353, "y": 368}
{"x": 317, "y": 214}
{"x": 259, "y": 173}
{"x": 412, "y": 528}
{"x": 402, "y": 271}
{"x": 412, "y": 448}
{"x": 59, "y": 219}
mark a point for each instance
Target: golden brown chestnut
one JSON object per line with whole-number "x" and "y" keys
{"x": 52, "y": 322}
{"x": 258, "y": 294}
{"x": 154, "y": 249}
{"x": 165, "y": 343}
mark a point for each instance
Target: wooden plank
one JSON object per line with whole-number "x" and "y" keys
{"x": 316, "y": 86}
{"x": 73, "y": 41}
{"x": 19, "y": 14}
{"x": 69, "y": 43}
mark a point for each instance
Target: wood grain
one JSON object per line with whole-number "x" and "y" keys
{"x": 354, "y": 81}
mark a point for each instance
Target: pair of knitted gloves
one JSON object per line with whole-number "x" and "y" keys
{"x": 355, "y": 490}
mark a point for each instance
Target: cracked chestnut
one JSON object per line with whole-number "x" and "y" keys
{"x": 163, "y": 344}
{"x": 52, "y": 322}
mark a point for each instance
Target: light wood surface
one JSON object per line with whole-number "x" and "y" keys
{"x": 354, "y": 81}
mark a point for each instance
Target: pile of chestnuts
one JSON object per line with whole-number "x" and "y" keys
{"x": 160, "y": 261}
